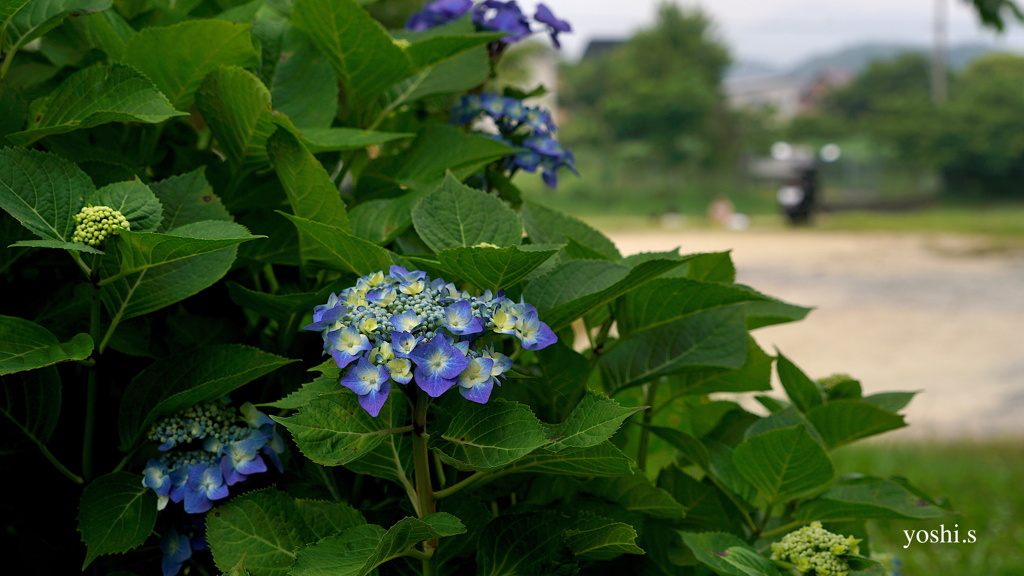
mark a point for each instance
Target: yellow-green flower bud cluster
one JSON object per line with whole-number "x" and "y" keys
{"x": 94, "y": 224}
{"x": 814, "y": 550}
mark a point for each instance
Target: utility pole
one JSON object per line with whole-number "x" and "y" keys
{"x": 940, "y": 31}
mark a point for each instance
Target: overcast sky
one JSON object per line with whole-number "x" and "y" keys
{"x": 783, "y": 32}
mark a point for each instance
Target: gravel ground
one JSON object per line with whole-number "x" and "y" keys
{"x": 896, "y": 311}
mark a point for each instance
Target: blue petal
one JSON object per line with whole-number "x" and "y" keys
{"x": 197, "y": 502}
{"x": 433, "y": 384}
{"x": 480, "y": 393}
{"x": 364, "y": 377}
{"x": 253, "y": 466}
{"x": 373, "y": 401}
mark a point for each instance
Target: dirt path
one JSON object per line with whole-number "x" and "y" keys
{"x": 898, "y": 312}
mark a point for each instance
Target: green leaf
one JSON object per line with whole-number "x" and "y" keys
{"x": 457, "y": 215}
{"x": 511, "y": 545}
{"x": 279, "y": 307}
{"x": 381, "y": 221}
{"x": 304, "y": 87}
{"x": 436, "y": 150}
{"x": 56, "y": 244}
{"x": 364, "y": 57}
{"x": 188, "y": 198}
{"x": 116, "y": 514}
{"x": 236, "y": 105}
{"x": 392, "y": 458}
{"x": 636, "y": 493}
{"x": 341, "y": 250}
{"x": 664, "y": 300}
{"x": 843, "y": 421}
{"x": 488, "y": 436}
{"x": 319, "y": 140}
{"x": 784, "y": 464}
{"x": 712, "y": 339}
{"x": 601, "y": 460}
{"x": 868, "y": 498}
{"x": 43, "y": 191}
{"x": 8, "y": 8}
{"x": 492, "y": 268}
{"x": 108, "y": 31}
{"x": 310, "y": 191}
{"x": 154, "y": 287}
{"x": 358, "y": 551}
{"x": 753, "y": 376}
{"x": 455, "y": 76}
{"x": 31, "y": 402}
{"x": 591, "y": 422}
{"x": 770, "y": 312}
{"x": 596, "y": 538}
{"x": 308, "y": 391}
{"x": 574, "y": 288}
{"x": 262, "y": 529}
{"x": 38, "y": 17}
{"x": 891, "y": 401}
{"x": 96, "y": 95}
{"x": 177, "y": 58}
{"x": 140, "y": 251}
{"x": 707, "y": 506}
{"x": 712, "y": 267}
{"x": 548, "y": 226}
{"x": 688, "y": 446}
{"x": 186, "y": 379}
{"x": 325, "y": 518}
{"x": 332, "y": 429}
{"x": 25, "y": 345}
{"x": 804, "y": 392}
{"x": 135, "y": 201}
{"x": 785, "y": 418}
{"x": 727, "y": 554}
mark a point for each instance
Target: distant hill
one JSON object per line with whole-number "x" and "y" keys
{"x": 855, "y": 59}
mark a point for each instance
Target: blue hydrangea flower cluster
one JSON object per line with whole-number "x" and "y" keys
{"x": 177, "y": 546}
{"x": 406, "y": 327}
{"x": 528, "y": 127}
{"x": 492, "y": 16}
{"x": 207, "y": 448}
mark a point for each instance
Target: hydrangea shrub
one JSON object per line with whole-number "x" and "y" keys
{"x": 275, "y": 305}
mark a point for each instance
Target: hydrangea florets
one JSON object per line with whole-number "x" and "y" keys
{"x": 207, "y": 448}
{"x": 94, "y": 224}
{"x": 406, "y": 327}
{"x": 528, "y": 127}
{"x": 814, "y": 550}
{"x": 491, "y": 15}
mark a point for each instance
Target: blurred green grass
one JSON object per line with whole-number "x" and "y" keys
{"x": 984, "y": 481}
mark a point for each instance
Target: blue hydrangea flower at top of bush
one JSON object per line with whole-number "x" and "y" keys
{"x": 529, "y": 127}
{"x": 490, "y": 15}
{"x": 406, "y": 327}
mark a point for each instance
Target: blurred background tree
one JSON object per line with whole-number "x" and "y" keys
{"x": 661, "y": 89}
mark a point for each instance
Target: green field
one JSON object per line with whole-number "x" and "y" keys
{"x": 982, "y": 479}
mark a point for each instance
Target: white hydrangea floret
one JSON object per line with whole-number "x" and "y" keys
{"x": 94, "y": 224}
{"x": 814, "y": 550}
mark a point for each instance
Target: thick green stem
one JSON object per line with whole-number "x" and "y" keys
{"x": 650, "y": 392}
{"x": 424, "y": 489}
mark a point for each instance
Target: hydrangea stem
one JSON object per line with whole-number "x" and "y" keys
{"x": 650, "y": 392}
{"x": 421, "y": 462}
